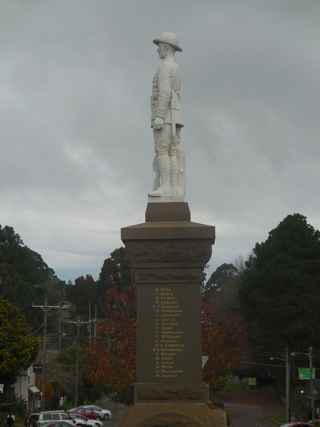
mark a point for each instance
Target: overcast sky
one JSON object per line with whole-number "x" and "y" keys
{"x": 76, "y": 147}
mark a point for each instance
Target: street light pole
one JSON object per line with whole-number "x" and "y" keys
{"x": 76, "y": 391}
{"x": 286, "y": 359}
{"x": 44, "y": 354}
{"x": 311, "y": 380}
{"x": 288, "y": 377}
{"x": 311, "y": 384}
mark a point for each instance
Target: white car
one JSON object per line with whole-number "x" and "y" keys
{"x": 82, "y": 421}
{"x": 49, "y": 417}
{"x": 57, "y": 423}
{"x": 103, "y": 414}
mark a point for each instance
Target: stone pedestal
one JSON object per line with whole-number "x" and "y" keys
{"x": 175, "y": 414}
{"x": 167, "y": 254}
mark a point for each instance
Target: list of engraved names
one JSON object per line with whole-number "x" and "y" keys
{"x": 168, "y": 334}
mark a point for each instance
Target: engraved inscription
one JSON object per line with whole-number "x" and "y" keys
{"x": 167, "y": 275}
{"x": 169, "y": 339}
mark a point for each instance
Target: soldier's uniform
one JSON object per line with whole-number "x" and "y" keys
{"x": 166, "y": 94}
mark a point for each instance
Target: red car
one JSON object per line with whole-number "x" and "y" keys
{"x": 85, "y": 413}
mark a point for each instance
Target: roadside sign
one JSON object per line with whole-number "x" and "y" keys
{"x": 252, "y": 381}
{"x": 306, "y": 374}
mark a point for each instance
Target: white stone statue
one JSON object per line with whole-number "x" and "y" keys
{"x": 166, "y": 122}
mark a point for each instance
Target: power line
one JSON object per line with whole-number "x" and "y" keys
{"x": 46, "y": 308}
{"x": 78, "y": 323}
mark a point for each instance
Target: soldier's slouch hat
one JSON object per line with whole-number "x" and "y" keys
{"x": 169, "y": 38}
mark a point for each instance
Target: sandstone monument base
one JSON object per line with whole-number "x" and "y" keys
{"x": 167, "y": 254}
{"x": 174, "y": 414}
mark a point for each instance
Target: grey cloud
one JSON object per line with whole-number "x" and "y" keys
{"x": 76, "y": 147}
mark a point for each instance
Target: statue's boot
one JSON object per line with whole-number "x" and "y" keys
{"x": 164, "y": 171}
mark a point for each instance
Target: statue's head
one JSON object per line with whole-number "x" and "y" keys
{"x": 167, "y": 43}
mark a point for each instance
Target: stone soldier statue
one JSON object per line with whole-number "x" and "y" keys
{"x": 166, "y": 122}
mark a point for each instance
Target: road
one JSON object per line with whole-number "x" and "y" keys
{"x": 242, "y": 415}
{"x": 118, "y": 410}
{"x": 245, "y": 409}
{"x": 253, "y": 409}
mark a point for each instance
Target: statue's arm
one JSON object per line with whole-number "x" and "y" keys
{"x": 164, "y": 91}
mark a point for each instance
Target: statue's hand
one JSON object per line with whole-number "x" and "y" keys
{"x": 158, "y": 123}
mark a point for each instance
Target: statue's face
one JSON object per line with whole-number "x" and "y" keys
{"x": 162, "y": 50}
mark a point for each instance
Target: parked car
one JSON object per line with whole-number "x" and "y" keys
{"x": 83, "y": 421}
{"x": 48, "y": 417}
{"x": 57, "y": 424}
{"x": 79, "y": 420}
{"x": 91, "y": 415}
{"x": 102, "y": 413}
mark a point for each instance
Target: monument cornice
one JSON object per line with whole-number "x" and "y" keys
{"x": 162, "y": 230}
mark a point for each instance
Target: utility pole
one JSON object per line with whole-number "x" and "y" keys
{"x": 44, "y": 353}
{"x": 293, "y": 394}
{"x": 286, "y": 359}
{"x": 45, "y": 308}
{"x": 78, "y": 323}
{"x": 60, "y": 331}
{"x": 311, "y": 384}
{"x": 90, "y": 325}
{"x": 288, "y": 377}
{"x": 95, "y": 323}
{"x": 76, "y": 389}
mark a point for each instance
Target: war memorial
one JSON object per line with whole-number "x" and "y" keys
{"x": 167, "y": 254}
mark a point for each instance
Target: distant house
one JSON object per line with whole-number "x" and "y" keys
{"x": 25, "y": 389}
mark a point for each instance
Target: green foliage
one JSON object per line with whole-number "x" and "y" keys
{"x": 114, "y": 274}
{"x": 68, "y": 404}
{"x": 24, "y": 276}
{"x": 17, "y": 347}
{"x": 115, "y": 271}
{"x": 19, "y": 408}
{"x": 63, "y": 368}
{"x": 82, "y": 293}
{"x": 280, "y": 287}
{"x": 28, "y": 264}
{"x": 224, "y": 273}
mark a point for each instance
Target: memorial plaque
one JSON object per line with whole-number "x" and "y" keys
{"x": 169, "y": 334}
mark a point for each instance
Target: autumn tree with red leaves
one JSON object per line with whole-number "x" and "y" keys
{"x": 223, "y": 341}
{"x": 112, "y": 357}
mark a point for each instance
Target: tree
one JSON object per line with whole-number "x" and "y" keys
{"x": 62, "y": 372}
{"x": 82, "y": 293}
{"x": 28, "y": 263}
{"x": 223, "y": 341}
{"x": 224, "y": 273}
{"x": 24, "y": 276}
{"x": 280, "y": 287}
{"x": 18, "y": 348}
{"x": 112, "y": 357}
{"x": 114, "y": 273}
